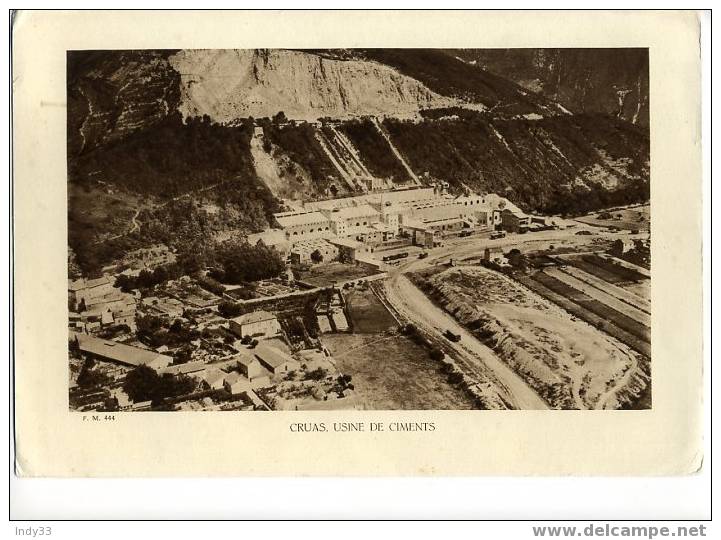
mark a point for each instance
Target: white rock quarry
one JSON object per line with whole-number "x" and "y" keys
{"x": 230, "y": 84}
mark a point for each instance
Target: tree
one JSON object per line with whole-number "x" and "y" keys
{"x": 318, "y": 374}
{"x": 177, "y": 326}
{"x": 242, "y": 262}
{"x": 141, "y": 383}
{"x": 437, "y": 354}
{"x": 81, "y": 306}
{"x": 91, "y": 378}
{"x": 316, "y": 256}
{"x": 280, "y": 118}
{"x": 148, "y": 325}
{"x": 144, "y": 384}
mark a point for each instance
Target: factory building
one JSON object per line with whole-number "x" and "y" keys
{"x": 423, "y": 213}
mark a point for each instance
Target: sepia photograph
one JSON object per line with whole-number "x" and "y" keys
{"x": 358, "y": 229}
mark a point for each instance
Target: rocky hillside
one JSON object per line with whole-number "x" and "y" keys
{"x": 610, "y": 81}
{"x": 562, "y": 164}
{"x": 114, "y": 93}
{"x": 231, "y": 84}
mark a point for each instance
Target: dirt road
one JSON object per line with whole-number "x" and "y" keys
{"x": 415, "y": 306}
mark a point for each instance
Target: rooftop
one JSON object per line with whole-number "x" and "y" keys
{"x": 310, "y": 244}
{"x": 212, "y": 375}
{"x": 270, "y": 237}
{"x": 271, "y": 356}
{"x": 254, "y": 317}
{"x": 295, "y": 220}
{"x": 232, "y": 377}
{"x": 118, "y": 352}
{"x": 82, "y": 283}
{"x": 345, "y": 242}
{"x": 356, "y": 211}
{"x": 188, "y": 367}
{"x": 247, "y": 360}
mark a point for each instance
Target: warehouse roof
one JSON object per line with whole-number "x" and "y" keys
{"x": 295, "y": 220}
{"x": 254, "y": 317}
{"x": 357, "y": 211}
{"x": 121, "y": 353}
{"x": 271, "y": 356}
{"x": 82, "y": 283}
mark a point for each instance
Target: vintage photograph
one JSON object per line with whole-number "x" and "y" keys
{"x": 358, "y": 229}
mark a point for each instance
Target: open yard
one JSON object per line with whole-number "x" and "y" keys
{"x": 389, "y": 370}
{"x": 367, "y": 313}
{"x": 392, "y": 372}
{"x": 327, "y": 274}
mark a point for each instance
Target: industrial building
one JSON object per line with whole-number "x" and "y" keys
{"x": 426, "y": 214}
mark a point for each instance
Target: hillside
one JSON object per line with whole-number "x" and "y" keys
{"x": 231, "y": 84}
{"x": 450, "y": 76}
{"x": 610, "y": 81}
{"x": 560, "y": 164}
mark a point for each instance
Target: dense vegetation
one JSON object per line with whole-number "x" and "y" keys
{"x": 239, "y": 262}
{"x": 542, "y": 165}
{"x": 298, "y": 142}
{"x": 167, "y": 160}
{"x": 374, "y": 150}
{"x": 145, "y": 384}
{"x": 171, "y": 158}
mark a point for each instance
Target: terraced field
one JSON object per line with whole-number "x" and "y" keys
{"x": 623, "y": 328}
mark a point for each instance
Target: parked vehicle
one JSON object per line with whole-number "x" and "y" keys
{"x": 465, "y": 233}
{"x": 395, "y": 257}
{"x": 498, "y": 234}
{"x": 423, "y": 255}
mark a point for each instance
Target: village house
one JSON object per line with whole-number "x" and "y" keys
{"x": 85, "y": 290}
{"x": 234, "y": 383}
{"x": 349, "y": 250}
{"x": 185, "y": 369}
{"x": 255, "y": 324}
{"x": 274, "y": 360}
{"x": 212, "y": 378}
{"x": 119, "y": 353}
{"x": 275, "y": 238}
{"x": 171, "y": 308}
{"x": 251, "y": 367}
{"x": 514, "y": 221}
{"x": 493, "y": 255}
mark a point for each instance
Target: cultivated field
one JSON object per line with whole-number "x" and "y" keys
{"x": 570, "y": 363}
{"x": 367, "y": 314}
{"x": 389, "y": 370}
{"x": 392, "y": 372}
{"x": 324, "y": 275}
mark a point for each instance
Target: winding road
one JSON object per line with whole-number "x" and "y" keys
{"x": 412, "y": 304}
